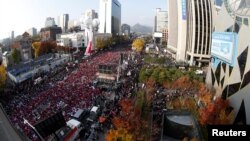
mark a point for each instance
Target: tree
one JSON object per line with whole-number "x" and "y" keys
{"x": 162, "y": 77}
{"x": 16, "y": 55}
{"x": 140, "y": 100}
{"x": 138, "y": 44}
{"x": 109, "y": 41}
{"x": 129, "y": 119}
{"x": 216, "y": 113}
{"x": 3, "y": 77}
{"x": 47, "y": 47}
{"x": 120, "y": 134}
{"x": 155, "y": 74}
{"x": 100, "y": 43}
{"x": 142, "y": 75}
{"x": 36, "y": 46}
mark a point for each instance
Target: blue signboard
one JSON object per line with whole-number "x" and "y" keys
{"x": 224, "y": 46}
{"x": 184, "y": 9}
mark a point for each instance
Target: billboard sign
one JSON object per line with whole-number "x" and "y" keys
{"x": 224, "y": 46}
{"x": 184, "y": 9}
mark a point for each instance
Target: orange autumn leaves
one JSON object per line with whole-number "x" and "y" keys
{"x": 216, "y": 113}
{"x": 128, "y": 126}
{"x": 120, "y": 134}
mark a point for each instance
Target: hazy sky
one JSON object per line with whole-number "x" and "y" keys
{"x": 20, "y": 15}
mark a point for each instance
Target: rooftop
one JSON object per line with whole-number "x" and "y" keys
{"x": 179, "y": 124}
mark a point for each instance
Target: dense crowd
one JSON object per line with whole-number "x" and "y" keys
{"x": 66, "y": 91}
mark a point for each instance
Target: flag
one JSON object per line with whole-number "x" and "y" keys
{"x": 90, "y": 44}
{"x": 89, "y": 48}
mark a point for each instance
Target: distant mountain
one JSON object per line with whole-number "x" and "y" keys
{"x": 138, "y": 28}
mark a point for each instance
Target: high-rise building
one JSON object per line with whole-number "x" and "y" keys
{"x": 72, "y": 23}
{"x": 63, "y": 22}
{"x": 161, "y": 20}
{"x": 172, "y": 26}
{"x": 49, "y": 33}
{"x": 189, "y": 28}
{"x": 32, "y": 31}
{"x": 177, "y": 28}
{"x": 110, "y": 16}
{"x": 12, "y": 35}
{"x": 199, "y": 30}
{"x": 50, "y": 22}
{"x": 229, "y": 69}
{"x": 90, "y": 13}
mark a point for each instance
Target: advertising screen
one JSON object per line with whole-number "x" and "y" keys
{"x": 224, "y": 46}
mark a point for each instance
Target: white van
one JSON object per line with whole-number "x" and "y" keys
{"x": 75, "y": 130}
{"x": 94, "y": 112}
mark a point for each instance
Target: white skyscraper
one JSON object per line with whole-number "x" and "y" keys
{"x": 63, "y": 22}
{"x": 189, "y": 30}
{"x": 49, "y": 22}
{"x": 161, "y": 22}
{"x": 32, "y": 31}
{"x": 12, "y": 35}
{"x": 110, "y": 16}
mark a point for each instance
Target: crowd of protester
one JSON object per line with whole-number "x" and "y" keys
{"x": 66, "y": 89}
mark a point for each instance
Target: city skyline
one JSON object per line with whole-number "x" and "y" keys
{"x": 23, "y": 15}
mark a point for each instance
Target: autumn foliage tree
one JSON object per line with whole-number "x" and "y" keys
{"x": 205, "y": 95}
{"x": 100, "y": 43}
{"x": 3, "y": 77}
{"x": 129, "y": 119}
{"x": 37, "y": 47}
{"x": 216, "y": 112}
{"x": 109, "y": 41}
{"x": 120, "y": 134}
{"x": 47, "y": 47}
{"x": 138, "y": 44}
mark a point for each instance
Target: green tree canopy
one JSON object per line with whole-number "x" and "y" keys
{"x": 16, "y": 55}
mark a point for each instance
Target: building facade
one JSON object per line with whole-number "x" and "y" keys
{"x": 32, "y": 31}
{"x": 229, "y": 72}
{"x": 49, "y": 33}
{"x": 63, "y": 22}
{"x": 50, "y": 22}
{"x": 165, "y": 35}
{"x": 73, "y": 23}
{"x": 199, "y": 32}
{"x": 26, "y": 70}
{"x": 75, "y": 40}
{"x": 189, "y": 37}
{"x": 161, "y": 20}
{"x": 12, "y": 35}
{"x": 172, "y": 27}
{"x": 24, "y": 45}
{"x": 110, "y": 16}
